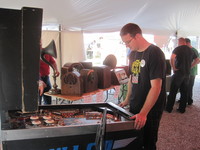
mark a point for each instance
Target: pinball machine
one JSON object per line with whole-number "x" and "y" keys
{"x": 74, "y": 126}
{"x": 27, "y": 126}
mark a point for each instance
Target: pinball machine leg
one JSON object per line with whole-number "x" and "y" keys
{"x": 100, "y": 136}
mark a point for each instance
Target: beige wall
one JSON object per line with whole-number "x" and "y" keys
{"x": 72, "y": 48}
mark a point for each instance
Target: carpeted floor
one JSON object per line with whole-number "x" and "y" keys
{"x": 181, "y": 131}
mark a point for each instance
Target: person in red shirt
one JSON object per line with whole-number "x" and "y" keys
{"x": 44, "y": 75}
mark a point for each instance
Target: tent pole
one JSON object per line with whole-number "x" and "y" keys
{"x": 60, "y": 48}
{"x": 176, "y": 37}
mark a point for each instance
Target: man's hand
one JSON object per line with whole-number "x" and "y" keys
{"x": 57, "y": 73}
{"x": 123, "y": 104}
{"x": 41, "y": 87}
{"x": 140, "y": 121}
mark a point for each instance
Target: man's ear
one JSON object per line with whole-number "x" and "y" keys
{"x": 138, "y": 35}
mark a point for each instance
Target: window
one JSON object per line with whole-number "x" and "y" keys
{"x": 52, "y": 27}
{"x": 100, "y": 45}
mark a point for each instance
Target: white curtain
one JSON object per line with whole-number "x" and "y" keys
{"x": 72, "y": 47}
{"x": 70, "y": 51}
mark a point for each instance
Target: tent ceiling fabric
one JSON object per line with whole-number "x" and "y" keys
{"x": 159, "y": 17}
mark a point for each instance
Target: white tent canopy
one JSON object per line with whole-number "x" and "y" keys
{"x": 160, "y": 17}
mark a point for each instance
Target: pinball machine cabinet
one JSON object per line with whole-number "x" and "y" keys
{"x": 74, "y": 127}
{"x": 19, "y": 58}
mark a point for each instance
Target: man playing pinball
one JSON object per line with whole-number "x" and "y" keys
{"x": 146, "y": 87}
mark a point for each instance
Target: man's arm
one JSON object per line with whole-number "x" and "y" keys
{"x": 172, "y": 61}
{"x": 195, "y": 62}
{"x": 152, "y": 96}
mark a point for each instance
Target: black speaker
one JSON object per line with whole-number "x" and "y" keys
{"x": 20, "y": 33}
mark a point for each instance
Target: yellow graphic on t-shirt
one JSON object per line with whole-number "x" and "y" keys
{"x": 135, "y": 69}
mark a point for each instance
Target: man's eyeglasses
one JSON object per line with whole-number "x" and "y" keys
{"x": 128, "y": 42}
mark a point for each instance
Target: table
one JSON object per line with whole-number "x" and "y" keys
{"x": 60, "y": 98}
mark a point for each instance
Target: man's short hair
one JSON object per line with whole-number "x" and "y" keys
{"x": 131, "y": 29}
{"x": 187, "y": 40}
{"x": 181, "y": 41}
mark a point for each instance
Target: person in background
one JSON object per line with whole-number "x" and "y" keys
{"x": 193, "y": 73}
{"x": 182, "y": 60}
{"x": 44, "y": 75}
{"x": 146, "y": 87}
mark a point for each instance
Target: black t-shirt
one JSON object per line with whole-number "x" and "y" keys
{"x": 184, "y": 58}
{"x": 147, "y": 65}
